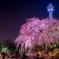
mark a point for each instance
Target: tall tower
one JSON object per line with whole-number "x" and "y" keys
{"x": 50, "y": 9}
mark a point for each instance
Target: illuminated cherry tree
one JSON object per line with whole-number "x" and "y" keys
{"x": 38, "y": 32}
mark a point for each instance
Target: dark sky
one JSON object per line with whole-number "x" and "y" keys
{"x": 13, "y": 13}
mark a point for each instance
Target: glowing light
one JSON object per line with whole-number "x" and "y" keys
{"x": 50, "y": 9}
{"x": 4, "y": 49}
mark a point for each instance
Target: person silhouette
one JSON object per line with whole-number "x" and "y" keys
{"x": 3, "y": 55}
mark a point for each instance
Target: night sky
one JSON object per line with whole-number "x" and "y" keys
{"x": 13, "y": 13}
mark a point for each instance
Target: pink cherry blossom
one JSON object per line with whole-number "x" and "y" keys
{"x": 36, "y": 31}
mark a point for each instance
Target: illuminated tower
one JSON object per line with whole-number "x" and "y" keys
{"x": 50, "y": 9}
